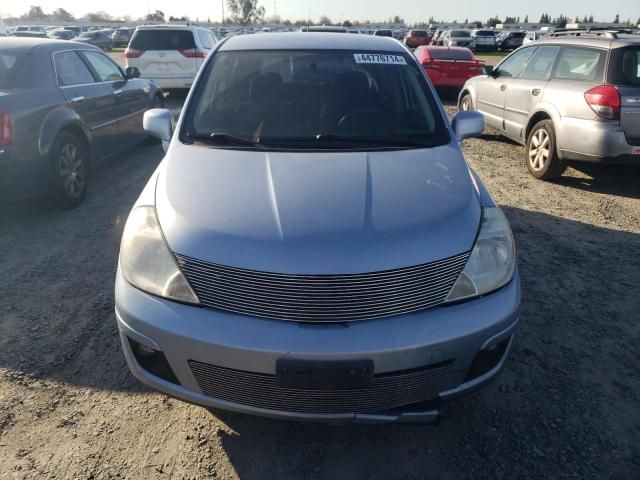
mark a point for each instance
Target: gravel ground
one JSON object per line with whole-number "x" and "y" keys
{"x": 566, "y": 406}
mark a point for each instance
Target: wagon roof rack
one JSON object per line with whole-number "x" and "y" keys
{"x": 593, "y": 31}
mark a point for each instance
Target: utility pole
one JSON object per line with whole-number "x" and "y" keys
{"x": 222, "y": 3}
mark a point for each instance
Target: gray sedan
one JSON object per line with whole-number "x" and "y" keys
{"x": 314, "y": 245}
{"x": 63, "y": 107}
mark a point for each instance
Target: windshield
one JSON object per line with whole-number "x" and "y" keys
{"x": 315, "y": 99}
{"x": 418, "y": 33}
{"x": 485, "y": 33}
{"x": 9, "y": 66}
{"x": 460, "y": 33}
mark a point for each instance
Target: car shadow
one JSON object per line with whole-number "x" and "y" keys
{"x": 575, "y": 337}
{"x": 58, "y": 271}
{"x": 618, "y": 180}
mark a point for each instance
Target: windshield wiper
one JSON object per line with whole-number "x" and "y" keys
{"x": 222, "y": 139}
{"x": 330, "y": 137}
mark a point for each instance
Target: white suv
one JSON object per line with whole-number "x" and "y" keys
{"x": 170, "y": 55}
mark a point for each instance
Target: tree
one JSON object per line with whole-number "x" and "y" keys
{"x": 561, "y": 21}
{"x": 492, "y": 22}
{"x": 590, "y": 18}
{"x": 398, "y": 20}
{"x": 526, "y": 19}
{"x": 157, "y": 16}
{"x": 35, "y": 13}
{"x": 324, "y": 20}
{"x": 347, "y": 24}
{"x": 245, "y": 11}
{"x": 63, "y": 15}
{"x": 617, "y": 19}
{"x": 545, "y": 18}
{"x": 97, "y": 17}
{"x": 510, "y": 20}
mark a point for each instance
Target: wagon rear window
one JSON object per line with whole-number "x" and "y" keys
{"x": 625, "y": 67}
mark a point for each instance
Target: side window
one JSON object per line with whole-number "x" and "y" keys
{"x": 513, "y": 65}
{"x": 586, "y": 64}
{"x": 71, "y": 70}
{"x": 105, "y": 68}
{"x": 212, "y": 39}
{"x": 541, "y": 63}
{"x": 205, "y": 41}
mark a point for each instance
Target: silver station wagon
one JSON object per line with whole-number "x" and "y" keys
{"x": 573, "y": 96}
{"x": 314, "y": 246}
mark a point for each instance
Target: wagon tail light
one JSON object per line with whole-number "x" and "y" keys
{"x": 605, "y": 101}
{"x": 133, "y": 53}
{"x": 5, "y": 129}
{"x": 193, "y": 53}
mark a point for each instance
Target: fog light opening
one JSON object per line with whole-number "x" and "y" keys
{"x": 486, "y": 360}
{"x": 153, "y": 361}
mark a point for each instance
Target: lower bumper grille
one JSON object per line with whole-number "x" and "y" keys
{"x": 387, "y": 391}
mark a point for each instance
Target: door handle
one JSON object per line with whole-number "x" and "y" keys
{"x": 503, "y": 87}
{"x": 536, "y": 91}
{"x": 117, "y": 92}
{"x": 77, "y": 99}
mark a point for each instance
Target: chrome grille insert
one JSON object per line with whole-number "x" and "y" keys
{"x": 387, "y": 391}
{"x": 322, "y": 298}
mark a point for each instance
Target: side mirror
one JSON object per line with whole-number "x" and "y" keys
{"x": 467, "y": 125}
{"x": 132, "y": 72}
{"x": 158, "y": 123}
{"x": 488, "y": 70}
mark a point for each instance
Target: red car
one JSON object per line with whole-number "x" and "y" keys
{"x": 448, "y": 67}
{"x": 416, "y": 38}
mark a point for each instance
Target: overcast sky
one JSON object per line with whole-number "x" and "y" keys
{"x": 339, "y": 10}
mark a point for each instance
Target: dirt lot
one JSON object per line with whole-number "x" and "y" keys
{"x": 566, "y": 406}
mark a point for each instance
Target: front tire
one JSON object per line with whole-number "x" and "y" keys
{"x": 69, "y": 168}
{"x": 541, "y": 154}
{"x": 466, "y": 103}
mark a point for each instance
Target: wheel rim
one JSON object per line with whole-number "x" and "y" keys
{"x": 72, "y": 170}
{"x": 539, "y": 151}
{"x": 466, "y": 104}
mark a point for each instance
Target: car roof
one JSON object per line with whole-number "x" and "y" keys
{"x": 591, "y": 40}
{"x": 433, "y": 47}
{"x": 311, "y": 41}
{"x": 28, "y": 43}
{"x": 169, "y": 26}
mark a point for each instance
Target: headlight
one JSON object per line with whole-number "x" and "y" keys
{"x": 147, "y": 263}
{"x": 492, "y": 261}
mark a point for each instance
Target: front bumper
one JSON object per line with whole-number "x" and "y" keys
{"x": 594, "y": 141}
{"x": 453, "y": 333}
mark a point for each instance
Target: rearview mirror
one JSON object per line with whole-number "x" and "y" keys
{"x": 488, "y": 70}
{"x": 157, "y": 122}
{"x": 132, "y": 72}
{"x": 467, "y": 125}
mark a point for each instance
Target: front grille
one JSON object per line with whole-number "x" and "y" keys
{"x": 387, "y": 391}
{"x": 322, "y": 298}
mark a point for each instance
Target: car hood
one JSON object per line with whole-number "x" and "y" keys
{"x": 317, "y": 212}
